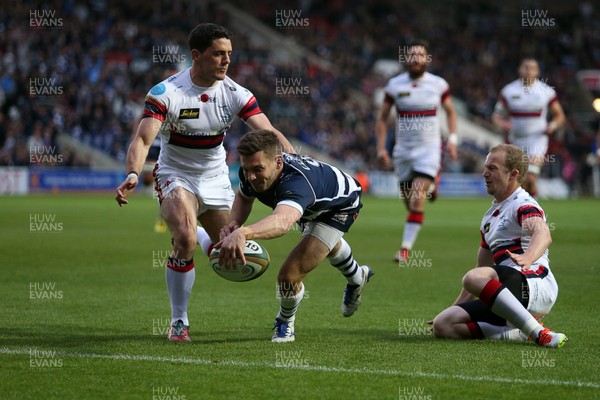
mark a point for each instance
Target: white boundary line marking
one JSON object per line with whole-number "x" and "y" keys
{"x": 391, "y": 372}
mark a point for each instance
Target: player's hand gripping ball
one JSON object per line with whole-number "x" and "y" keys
{"x": 257, "y": 262}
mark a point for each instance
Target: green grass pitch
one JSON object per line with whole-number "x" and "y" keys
{"x": 85, "y": 312}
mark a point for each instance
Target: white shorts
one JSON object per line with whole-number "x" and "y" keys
{"x": 424, "y": 159}
{"x": 533, "y": 146}
{"x": 325, "y": 233}
{"x": 543, "y": 292}
{"x": 212, "y": 188}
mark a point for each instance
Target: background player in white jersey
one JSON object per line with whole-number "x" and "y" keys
{"x": 417, "y": 97}
{"x": 322, "y": 199}
{"x": 522, "y": 114}
{"x": 192, "y": 111}
{"x": 512, "y": 285}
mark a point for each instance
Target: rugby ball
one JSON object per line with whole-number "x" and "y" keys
{"x": 257, "y": 262}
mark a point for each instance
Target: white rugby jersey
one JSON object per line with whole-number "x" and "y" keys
{"x": 417, "y": 104}
{"x": 527, "y": 107}
{"x": 195, "y": 119}
{"x": 501, "y": 230}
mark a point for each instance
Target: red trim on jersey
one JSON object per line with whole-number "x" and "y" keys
{"x": 499, "y": 254}
{"x": 490, "y": 292}
{"x": 388, "y": 99}
{"x": 541, "y": 272}
{"x": 474, "y": 330}
{"x": 483, "y": 242}
{"x": 528, "y": 211}
{"x": 195, "y": 142}
{"x": 415, "y": 217}
{"x": 251, "y": 108}
{"x": 446, "y": 94}
{"x": 552, "y": 100}
{"x": 526, "y": 114}
{"x": 154, "y": 109}
{"x": 417, "y": 113}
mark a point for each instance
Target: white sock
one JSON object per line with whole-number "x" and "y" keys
{"x": 203, "y": 239}
{"x": 289, "y": 305}
{"x": 499, "y": 332}
{"x": 506, "y": 305}
{"x": 409, "y": 236}
{"x": 344, "y": 262}
{"x": 179, "y": 285}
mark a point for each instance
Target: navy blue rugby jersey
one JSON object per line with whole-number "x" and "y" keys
{"x": 312, "y": 187}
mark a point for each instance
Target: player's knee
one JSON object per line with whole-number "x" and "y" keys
{"x": 469, "y": 277}
{"x": 289, "y": 276}
{"x": 184, "y": 242}
{"x": 441, "y": 326}
{"x": 476, "y": 277}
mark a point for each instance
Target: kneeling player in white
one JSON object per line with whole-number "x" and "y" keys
{"x": 512, "y": 286}
{"x": 322, "y": 199}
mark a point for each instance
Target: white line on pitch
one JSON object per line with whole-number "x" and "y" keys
{"x": 415, "y": 374}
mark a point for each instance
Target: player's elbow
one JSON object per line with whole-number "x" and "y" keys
{"x": 548, "y": 239}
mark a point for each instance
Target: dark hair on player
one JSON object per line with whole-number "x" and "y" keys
{"x": 515, "y": 159}
{"x": 527, "y": 58}
{"x": 419, "y": 42}
{"x": 202, "y": 36}
{"x": 260, "y": 140}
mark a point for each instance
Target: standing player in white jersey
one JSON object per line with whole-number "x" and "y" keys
{"x": 323, "y": 200}
{"x": 512, "y": 286}
{"x": 417, "y": 96}
{"x": 522, "y": 114}
{"x": 192, "y": 111}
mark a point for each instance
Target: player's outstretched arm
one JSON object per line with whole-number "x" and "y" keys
{"x": 260, "y": 121}
{"x": 275, "y": 225}
{"x": 136, "y": 155}
{"x": 242, "y": 206}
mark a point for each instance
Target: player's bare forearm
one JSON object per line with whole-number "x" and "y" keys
{"x": 273, "y": 226}
{"x": 484, "y": 258}
{"x": 136, "y": 155}
{"x": 381, "y": 135}
{"x": 451, "y": 115}
{"x": 381, "y": 127}
{"x": 260, "y": 121}
{"x": 383, "y": 157}
{"x": 241, "y": 209}
{"x": 498, "y": 120}
{"x": 140, "y": 145}
{"x": 540, "y": 238}
{"x": 558, "y": 118}
{"x": 286, "y": 144}
{"x": 463, "y": 297}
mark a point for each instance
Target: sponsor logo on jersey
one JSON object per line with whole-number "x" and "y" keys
{"x": 189, "y": 113}
{"x": 503, "y": 222}
{"x": 341, "y": 217}
{"x": 403, "y": 94}
{"x": 486, "y": 228}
